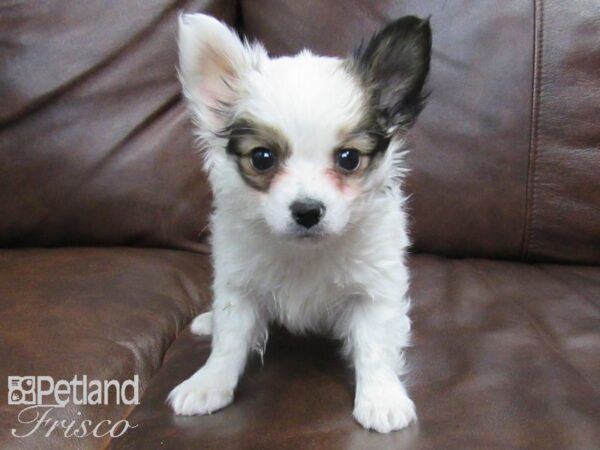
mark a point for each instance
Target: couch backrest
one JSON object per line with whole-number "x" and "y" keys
{"x": 96, "y": 148}
{"x": 95, "y": 143}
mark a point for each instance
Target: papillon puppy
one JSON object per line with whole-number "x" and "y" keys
{"x": 305, "y": 158}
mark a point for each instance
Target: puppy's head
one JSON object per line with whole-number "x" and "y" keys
{"x": 300, "y": 144}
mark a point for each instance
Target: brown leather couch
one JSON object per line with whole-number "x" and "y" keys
{"x": 103, "y": 212}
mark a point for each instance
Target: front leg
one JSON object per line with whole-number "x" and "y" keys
{"x": 378, "y": 330}
{"x": 235, "y": 325}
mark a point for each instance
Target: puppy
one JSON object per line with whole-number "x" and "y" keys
{"x": 305, "y": 158}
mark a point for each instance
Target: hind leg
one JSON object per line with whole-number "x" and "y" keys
{"x": 202, "y": 324}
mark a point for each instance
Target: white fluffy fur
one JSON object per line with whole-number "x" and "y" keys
{"x": 352, "y": 282}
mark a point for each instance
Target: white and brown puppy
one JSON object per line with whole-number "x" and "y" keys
{"x": 304, "y": 155}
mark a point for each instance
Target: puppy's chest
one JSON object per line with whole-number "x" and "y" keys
{"x": 304, "y": 294}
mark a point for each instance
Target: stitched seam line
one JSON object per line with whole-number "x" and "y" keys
{"x": 530, "y": 195}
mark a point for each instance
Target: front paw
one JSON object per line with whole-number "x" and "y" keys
{"x": 200, "y": 395}
{"x": 384, "y": 408}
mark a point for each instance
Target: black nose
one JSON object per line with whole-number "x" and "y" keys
{"x": 308, "y": 212}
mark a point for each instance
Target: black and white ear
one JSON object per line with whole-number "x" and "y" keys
{"x": 212, "y": 64}
{"x": 395, "y": 63}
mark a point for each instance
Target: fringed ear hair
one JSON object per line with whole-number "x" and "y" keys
{"x": 212, "y": 62}
{"x": 394, "y": 64}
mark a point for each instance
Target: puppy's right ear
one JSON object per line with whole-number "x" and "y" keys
{"x": 212, "y": 63}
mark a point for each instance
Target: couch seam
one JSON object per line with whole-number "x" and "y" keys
{"x": 537, "y": 91}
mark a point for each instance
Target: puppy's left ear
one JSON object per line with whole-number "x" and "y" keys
{"x": 395, "y": 64}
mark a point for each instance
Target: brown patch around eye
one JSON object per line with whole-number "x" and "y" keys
{"x": 259, "y": 180}
{"x": 369, "y": 140}
{"x": 353, "y": 166}
{"x": 246, "y": 136}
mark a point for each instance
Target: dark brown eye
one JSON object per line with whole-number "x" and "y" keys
{"x": 348, "y": 159}
{"x": 262, "y": 159}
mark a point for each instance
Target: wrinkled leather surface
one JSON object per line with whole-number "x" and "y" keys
{"x": 95, "y": 144}
{"x": 504, "y": 355}
{"x": 105, "y": 313}
{"x": 99, "y": 148}
{"x": 564, "y": 180}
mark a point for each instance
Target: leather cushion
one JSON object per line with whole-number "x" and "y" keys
{"x": 104, "y": 313}
{"x": 563, "y": 214}
{"x": 504, "y": 355}
{"x": 96, "y": 146}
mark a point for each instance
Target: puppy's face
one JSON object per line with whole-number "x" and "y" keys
{"x": 299, "y": 143}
